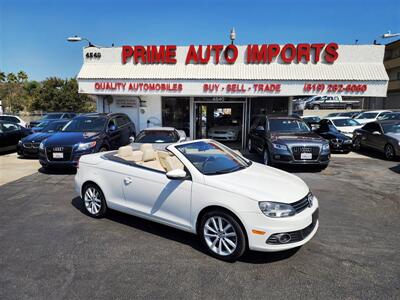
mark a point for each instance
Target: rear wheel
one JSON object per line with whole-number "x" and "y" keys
{"x": 389, "y": 152}
{"x": 94, "y": 201}
{"x": 316, "y": 107}
{"x": 222, "y": 235}
{"x": 348, "y": 107}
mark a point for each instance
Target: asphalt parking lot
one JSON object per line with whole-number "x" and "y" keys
{"x": 51, "y": 250}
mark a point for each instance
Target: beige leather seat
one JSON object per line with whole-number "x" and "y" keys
{"x": 173, "y": 163}
{"x": 128, "y": 154}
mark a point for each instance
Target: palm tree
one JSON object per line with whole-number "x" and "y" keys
{"x": 11, "y": 78}
{"x": 2, "y": 76}
{"x": 22, "y": 77}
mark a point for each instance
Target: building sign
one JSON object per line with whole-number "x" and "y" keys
{"x": 227, "y": 88}
{"x": 254, "y": 54}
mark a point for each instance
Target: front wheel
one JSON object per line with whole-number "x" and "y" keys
{"x": 389, "y": 152}
{"x": 94, "y": 201}
{"x": 222, "y": 235}
{"x": 357, "y": 144}
{"x": 316, "y": 107}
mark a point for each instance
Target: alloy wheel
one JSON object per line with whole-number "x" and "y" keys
{"x": 220, "y": 236}
{"x": 92, "y": 200}
{"x": 389, "y": 152}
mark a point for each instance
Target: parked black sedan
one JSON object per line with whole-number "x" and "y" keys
{"x": 10, "y": 134}
{"x": 383, "y": 136}
{"x": 29, "y": 146}
{"x": 338, "y": 142}
{"x": 90, "y": 133}
{"x": 53, "y": 116}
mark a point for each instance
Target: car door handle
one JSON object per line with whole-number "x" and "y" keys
{"x": 127, "y": 180}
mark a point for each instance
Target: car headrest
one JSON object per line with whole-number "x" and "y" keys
{"x": 125, "y": 151}
{"x": 145, "y": 147}
{"x": 162, "y": 155}
{"x": 149, "y": 155}
{"x": 173, "y": 163}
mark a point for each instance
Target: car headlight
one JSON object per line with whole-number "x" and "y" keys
{"x": 325, "y": 147}
{"x": 19, "y": 142}
{"x": 276, "y": 209}
{"x": 41, "y": 146}
{"x": 279, "y": 146}
{"x": 86, "y": 146}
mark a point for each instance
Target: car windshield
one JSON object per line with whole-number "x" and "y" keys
{"x": 392, "y": 116}
{"x": 367, "y": 115}
{"x": 52, "y": 116}
{"x": 345, "y": 122}
{"x": 391, "y": 128}
{"x": 54, "y": 126}
{"x": 288, "y": 125}
{"x": 211, "y": 158}
{"x": 156, "y": 136}
{"x": 86, "y": 124}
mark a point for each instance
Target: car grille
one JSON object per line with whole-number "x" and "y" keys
{"x": 298, "y": 235}
{"x": 31, "y": 145}
{"x": 301, "y": 205}
{"x": 297, "y": 150}
{"x": 67, "y": 152}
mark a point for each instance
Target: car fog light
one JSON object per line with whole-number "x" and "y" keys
{"x": 284, "y": 238}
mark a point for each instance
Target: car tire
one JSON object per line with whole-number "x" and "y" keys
{"x": 267, "y": 158}
{"x": 348, "y": 107}
{"x": 250, "y": 147}
{"x": 222, "y": 235}
{"x": 103, "y": 149}
{"x": 316, "y": 107}
{"x": 389, "y": 152}
{"x": 357, "y": 144}
{"x": 94, "y": 202}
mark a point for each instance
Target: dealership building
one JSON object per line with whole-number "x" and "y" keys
{"x": 197, "y": 87}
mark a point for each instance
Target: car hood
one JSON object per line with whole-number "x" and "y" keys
{"x": 292, "y": 138}
{"x": 71, "y": 138}
{"x": 261, "y": 183}
{"x": 394, "y": 135}
{"x": 348, "y": 129}
{"x": 225, "y": 128}
{"x": 36, "y": 137}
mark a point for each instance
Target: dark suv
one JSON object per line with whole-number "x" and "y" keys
{"x": 287, "y": 140}
{"x": 86, "y": 134}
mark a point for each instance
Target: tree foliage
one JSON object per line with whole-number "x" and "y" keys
{"x": 53, "y": 94}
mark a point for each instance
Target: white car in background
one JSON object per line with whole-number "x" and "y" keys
{"x": 159, "y": 137}
{"x": 344, "y": 124}
{"x": 225, "y": 130}
{"x": 205, "y": 188}
{"x": 371, "y": 116}
{"x": 13, "y": 119}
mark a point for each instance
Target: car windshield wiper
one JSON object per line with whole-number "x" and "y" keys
{"x": 224, "y": 171}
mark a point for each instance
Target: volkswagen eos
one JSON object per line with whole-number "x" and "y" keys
{"x": 205, "y": 188}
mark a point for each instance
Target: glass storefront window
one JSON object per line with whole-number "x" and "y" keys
{"x": 176, "y": 113}
{"x": 269, "y": 106}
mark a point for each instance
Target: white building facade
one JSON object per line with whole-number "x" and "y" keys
{"x": 188, "y": 87}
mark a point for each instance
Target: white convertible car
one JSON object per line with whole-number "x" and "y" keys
{"x": 205, "y": 188}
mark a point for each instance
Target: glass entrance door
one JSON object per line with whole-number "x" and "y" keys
{"x": 220, "y": 120}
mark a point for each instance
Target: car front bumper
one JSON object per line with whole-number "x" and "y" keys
{"x": 301, "y": 224}
{"x": 223, "y": 136}
{"x": 70, "y": 160}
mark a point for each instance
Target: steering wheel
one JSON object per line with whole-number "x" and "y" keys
{"x": 208, "y": 159}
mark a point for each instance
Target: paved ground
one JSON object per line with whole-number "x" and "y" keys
{"x": 13, "y": 168}
{"x": 50, "y": 250}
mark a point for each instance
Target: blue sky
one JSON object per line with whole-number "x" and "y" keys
{"x": 33, "y": 33}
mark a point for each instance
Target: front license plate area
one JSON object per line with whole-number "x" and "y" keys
{"x": 306, "y": 155}
{"x": 58, "y": 155}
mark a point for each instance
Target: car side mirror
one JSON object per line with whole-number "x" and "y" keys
{"x": 376, "y": 133}
{"x": 260, "y": 128}
{"x": 177, "y": 174}
{"x": 182, "y": 139}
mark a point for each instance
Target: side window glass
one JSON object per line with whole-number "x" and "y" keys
{"x": 9, "y": 127}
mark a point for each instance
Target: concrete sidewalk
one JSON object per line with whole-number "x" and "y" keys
{"x": 12, "y": 167}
